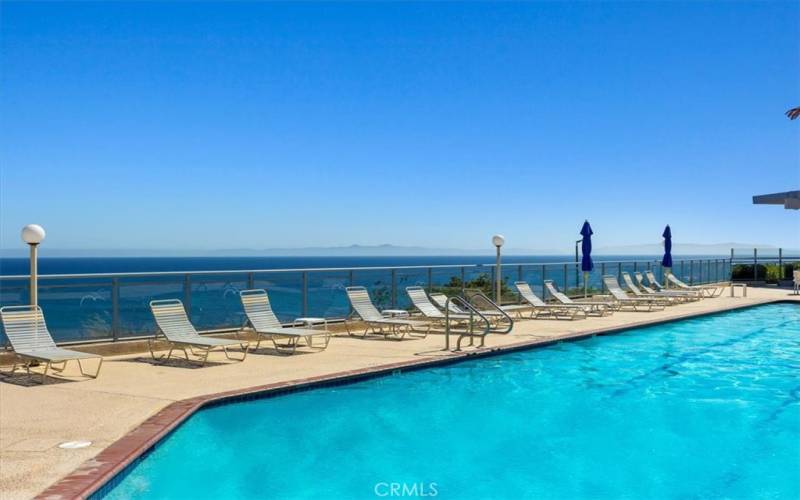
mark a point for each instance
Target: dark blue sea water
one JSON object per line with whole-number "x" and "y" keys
{"x": 71, "y": 265}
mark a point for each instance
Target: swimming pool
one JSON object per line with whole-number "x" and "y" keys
{"x": 705, "y": 407}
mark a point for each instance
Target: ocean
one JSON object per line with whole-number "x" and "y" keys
{"x": 82, "y": 265}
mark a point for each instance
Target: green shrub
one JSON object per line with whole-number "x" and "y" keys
{"x": 745, "y": 272}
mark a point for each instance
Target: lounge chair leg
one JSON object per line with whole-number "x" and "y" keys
{"x": 291, "y": 345}
{"x": 205, "y": 358}
{"x": 44, "y": 374}
{"x": 243, "y": 346}
{"x": 97, "y": 372}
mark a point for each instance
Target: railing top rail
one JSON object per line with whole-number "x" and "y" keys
{"x": 326, "y": 269}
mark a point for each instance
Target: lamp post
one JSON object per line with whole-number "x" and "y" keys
{"x": 578, "y": 259}
{"x": 498, "y": 240}
{"x": 33, "y": 234}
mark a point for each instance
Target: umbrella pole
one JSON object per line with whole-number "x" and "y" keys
{"x": 667, "y": 270}
{"x": 585, "y": 284}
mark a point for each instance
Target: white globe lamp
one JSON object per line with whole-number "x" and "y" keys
{"x": 33, "y": 234}
{"x": 498, "y": 241}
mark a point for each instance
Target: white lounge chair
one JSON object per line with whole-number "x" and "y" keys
{"x": 796, "y": 281}
{"x": 396, "y": 328}
{"x": 684, "y": 295}
{"x": 592, "y": 307}
{"x": 33, "y": 344}
{"x": 542, "y": 309}
{"x": 440, "y": 300}
{"x": 624, "y": 300}
{"x": 427, "y": 308}
{"x": 267, "y": 326}
{"x": 179, "y": 332}
{"x": 655, "y": 285}
{"x": 709, "y": 291}
{"x": 664, "y": 300}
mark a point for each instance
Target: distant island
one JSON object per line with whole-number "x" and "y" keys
{"x": 388, "y": 250}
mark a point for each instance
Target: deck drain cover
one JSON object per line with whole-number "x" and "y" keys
{"x": 74, "y": 445}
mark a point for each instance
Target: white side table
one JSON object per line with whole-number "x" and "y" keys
{"x": 395, "y": 313}
{"x": 734, "y": 286}
{"x": 310, "y": 322}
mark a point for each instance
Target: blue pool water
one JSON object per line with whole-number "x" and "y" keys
{"x": 702, "y": 408}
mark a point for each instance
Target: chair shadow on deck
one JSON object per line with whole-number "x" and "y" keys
{"x": 22, "y": 379}
{"x": 174, "y": 362}
{"x": 271, "y": 351}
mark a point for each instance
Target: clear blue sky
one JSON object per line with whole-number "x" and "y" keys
{"x": 256, "y": 125}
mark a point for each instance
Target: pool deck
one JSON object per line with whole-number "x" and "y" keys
{"x": 110, "y": 410}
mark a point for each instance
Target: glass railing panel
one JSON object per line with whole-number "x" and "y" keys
{"x": 215, "y": 302}
{"x": 534, "y": 276}
{"x": 479, "y": 279}
{"x": 378, "y": 283}
{"x": 559, "y": 275}
{"x": 509, "y": 275}
{"x": 573, "y": 282}
{"x": 326, "y": 294}
{"x": 448, "y": 280}
{"x": 412, "y": 277}
{"x": 77, "y": 310}
{"x": 12, "y": 293}
{"x": 285, "y": 291}
{"x": 135, "y": 294}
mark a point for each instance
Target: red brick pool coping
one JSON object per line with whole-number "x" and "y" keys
{"x": 90, "y": 476}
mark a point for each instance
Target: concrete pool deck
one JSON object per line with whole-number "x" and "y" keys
{"x": 35, "y": 418}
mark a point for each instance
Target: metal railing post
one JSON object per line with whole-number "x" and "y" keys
{"x": 683, "y": 275}
{"x": 251, "y": 280}
{"x": 780, "y": 263}
{"x": 430, "y": 279}
{"x": 544, "y": 276}
{"x": 566, "y": 280}
{"x": 463, "y": 283}
{"x": 394, "y": 288}
{"x": 115, "y": 308}
{"x": 493, "y": 280}
{"x": 351, "y": 280}
{"x": 187, "y": 294}
{"x": 305, "y": 293}
{"x": 691, "y": 272}
{"x": 619, "y": 271}
{"x": 755, "y": 264}
{"x": 602, "y": 273}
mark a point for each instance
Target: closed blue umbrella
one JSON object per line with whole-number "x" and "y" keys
{"x": 586, "y": 249}
{"x": 666, "y": 262}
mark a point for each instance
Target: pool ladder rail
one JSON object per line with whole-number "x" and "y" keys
{"x": 475, "y": 314}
